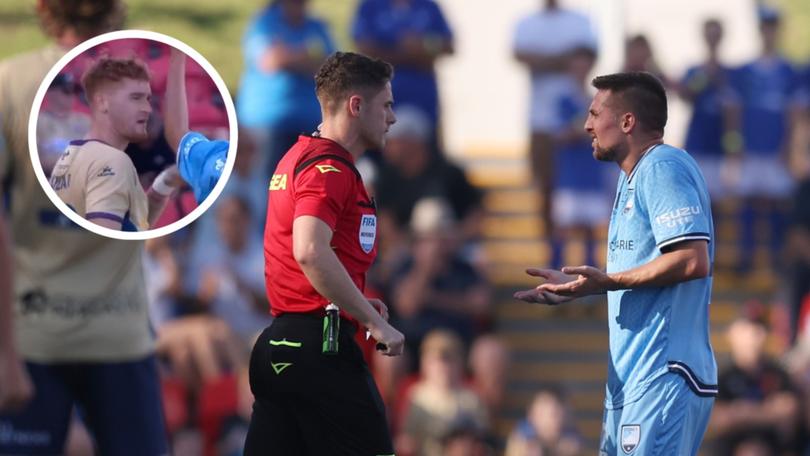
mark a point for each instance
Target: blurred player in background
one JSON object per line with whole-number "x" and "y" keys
{"x": 199, "y": 160}
{"x": 80, "y": 314}
{"x": 94, "y": 176}
{"x": 662, "y": 376}
{"x": 15, "y": 384}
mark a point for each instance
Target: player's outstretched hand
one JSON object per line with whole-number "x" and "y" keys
{"x": 589, "y": 280}
{"x": 389, "y": 340}
{"x": 541, "y": 296}
{"x": 16, "y": 388}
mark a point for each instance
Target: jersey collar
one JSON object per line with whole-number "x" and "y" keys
{"x": 633, "y": 172}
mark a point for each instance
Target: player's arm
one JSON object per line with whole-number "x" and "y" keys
{"x": 107, "y": 223}
{"x": 684, "y": 261}
{"x": 175, "y": 115}
{"x": 158, "y": 194}
{"x": 312, "y": 250}
{"x": 15, "y": 385}
{"x": 687, "y": 260}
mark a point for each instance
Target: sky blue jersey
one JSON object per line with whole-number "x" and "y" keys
{"x": 657, "y": 330}
{"x": 200, "y": 162}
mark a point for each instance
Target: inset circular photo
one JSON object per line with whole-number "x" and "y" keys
{"x": 132, "y": 134}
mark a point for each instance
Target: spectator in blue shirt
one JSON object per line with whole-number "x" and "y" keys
{"x": 580, "y": 201}
{"x": 768, "y": 89}
{"x": 706, "y": 87}
{"x": 283, "y": 47}
{"x": 411, "y": 34}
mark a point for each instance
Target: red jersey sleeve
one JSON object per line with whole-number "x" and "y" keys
{"x": 322, "y": 190}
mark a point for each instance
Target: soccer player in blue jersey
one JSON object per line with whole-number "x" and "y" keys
{"x": 199, "y": 160}
{"x": 662, "y": 373}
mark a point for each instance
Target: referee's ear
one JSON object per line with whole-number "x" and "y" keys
{"x": 355, "y": 102}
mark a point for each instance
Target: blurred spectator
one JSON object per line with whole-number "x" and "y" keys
{"x": 547, "y": 430}
{"x": 639, "y": 56}
{"x": 580, "y": 201}
{"x": 164, "y": 284}
{"x": 283, "y": 47}
{"x": 767, "y": 89}
{"x": 439, "y": 402}
{"x": 410, "y": 172}
{"x": 755, "y": 446}
{"x": 466, "y": 441}
{"x": 706, "y": 87}
{"x": 245, "y": 183}
{"x": 798, "y": 259}
{"x": 58, "y": 123}
{"x": 198, "y": 347}
{"x": 435, "y": 287}
{"x": 489, "y": 362}
{"x": 544, "y": 42}
{"x": 757, "y": 399}
{"x": 203, "y": 359}
{"x": 797, "y": 361}
{"x": 411, "y": 35}
{"x": 230, "y": 272}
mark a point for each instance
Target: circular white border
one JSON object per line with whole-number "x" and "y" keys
{"x": 43, "y": 180}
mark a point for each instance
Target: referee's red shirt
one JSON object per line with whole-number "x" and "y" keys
{"x": 331, "y": 190}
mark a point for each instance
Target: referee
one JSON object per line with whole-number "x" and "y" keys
{"x": 314, "y": 393}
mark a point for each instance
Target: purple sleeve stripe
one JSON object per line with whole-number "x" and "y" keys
{"x": 104, "y": 215}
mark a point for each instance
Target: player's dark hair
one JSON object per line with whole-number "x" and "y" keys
{"x": 107, "y": 69}
{"x": 345, "y": 72}
{"x": 641, "y": 93}
{"x": 86, "y": 18}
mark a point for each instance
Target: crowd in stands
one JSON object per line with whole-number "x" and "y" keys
{"x": 749, "y": 132}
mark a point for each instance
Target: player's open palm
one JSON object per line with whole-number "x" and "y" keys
{"x": 538, "y": 294}
{"x": 589, "y": 280}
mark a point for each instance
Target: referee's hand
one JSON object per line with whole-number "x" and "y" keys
{"x": 387, "y": 335}
{"x": 380, "y": 307}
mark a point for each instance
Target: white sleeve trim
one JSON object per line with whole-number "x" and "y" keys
{"x": 686, "y": 237}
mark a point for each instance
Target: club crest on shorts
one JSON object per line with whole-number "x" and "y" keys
{"x": 368, "y": 232}
{"x": 631, "y": 436}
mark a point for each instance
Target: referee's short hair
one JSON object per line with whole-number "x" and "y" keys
{"x": 641, "y": 93}
{"x": 345, "y": 72}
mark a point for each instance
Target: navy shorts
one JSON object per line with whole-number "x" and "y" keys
{"x": 119, "y": 402}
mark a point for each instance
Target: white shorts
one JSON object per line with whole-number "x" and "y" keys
{"x": 764, "y": 176}
{"x": 571, "y": 208}
{"x": 711, "y": 167}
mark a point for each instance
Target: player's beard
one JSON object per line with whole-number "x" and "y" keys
{"x": 605, "y": 154}
{"x": 139, "y": 133}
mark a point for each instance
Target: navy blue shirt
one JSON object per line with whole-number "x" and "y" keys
{"x": 767, "y": 88}
{"x": 704, "y": 135}
{"x": 384, "y": 25}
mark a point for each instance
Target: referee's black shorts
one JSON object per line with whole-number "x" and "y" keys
{"x": 309, "y": 403}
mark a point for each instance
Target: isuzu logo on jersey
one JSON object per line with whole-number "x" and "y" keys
{"x": 631, "y": 436}
{"x": 677, "y": 217}
{"x": 368, "y": 232}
